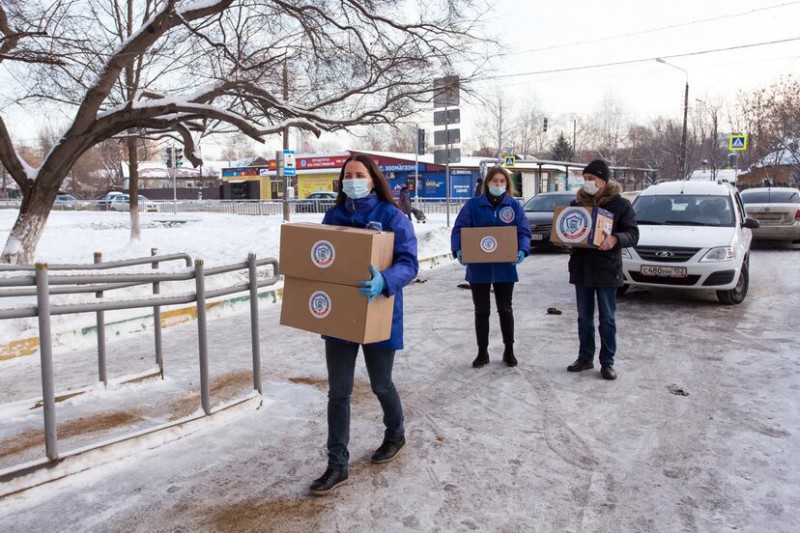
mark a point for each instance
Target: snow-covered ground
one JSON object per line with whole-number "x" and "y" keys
{"x": 699, "y": 433}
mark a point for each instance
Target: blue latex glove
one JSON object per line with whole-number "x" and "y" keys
{"x": 520, "y": 257}
{"x": 371, "y": 289}
{"x": 458, "y": 256}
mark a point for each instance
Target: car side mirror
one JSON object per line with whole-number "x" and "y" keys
{"x": 751, "y": 223}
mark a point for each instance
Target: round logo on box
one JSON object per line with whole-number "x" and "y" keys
{"x": 507, "y": 214}
{"x": 323, "y": 254}
{"x": 488, "y": 244}
{"x": 572, "y": 225}
{"x": 319, "y": 304}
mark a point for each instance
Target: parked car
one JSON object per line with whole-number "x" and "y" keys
{"x": 777, "y": 210}
{"x": 316, "y": 202}
{"x": 105, "y": 202}
{"x": 539, "y": 212}
{"x": 123, "y": 203}
{"x": 692, "y": 235}
{"x": 65, "y": 201}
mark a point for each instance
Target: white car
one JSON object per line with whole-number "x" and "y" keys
{"x": 692, "y": 235}
{"x": 777, "y": 210}
{"x": 122, "y": 202}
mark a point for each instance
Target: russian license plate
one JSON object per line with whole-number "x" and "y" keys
{"x": 663, "y": 271}
{"x": 537, "y": 237}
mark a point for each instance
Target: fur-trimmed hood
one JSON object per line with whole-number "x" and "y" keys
{"x": 610, "y": 191}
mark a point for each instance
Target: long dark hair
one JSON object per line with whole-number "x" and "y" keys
{"x": 379, "y": 181}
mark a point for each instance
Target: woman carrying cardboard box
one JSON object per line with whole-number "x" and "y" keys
{"x": 365, "y": 201}
{"x": 496, "y": 206}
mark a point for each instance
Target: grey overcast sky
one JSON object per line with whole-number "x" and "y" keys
{"x": 623, "y": 37}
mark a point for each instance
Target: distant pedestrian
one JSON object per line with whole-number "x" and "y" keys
{"x": 496, "y": 206}
{"x": 365, "y": 200}
{"x": 597, "y": 273}
{"x": 404, "y": 200}
{"x": 478, "y": 187}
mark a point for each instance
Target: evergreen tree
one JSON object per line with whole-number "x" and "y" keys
{"x": 562, "y": 149}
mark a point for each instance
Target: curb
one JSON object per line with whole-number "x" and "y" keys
{"x": 170, "y": 318}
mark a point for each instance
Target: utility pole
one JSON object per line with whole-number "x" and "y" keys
{"x": 286, "y": 179}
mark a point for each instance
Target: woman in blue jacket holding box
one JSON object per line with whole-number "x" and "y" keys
{"x": 496, "y": 206}
{"x": 365, "y": 201}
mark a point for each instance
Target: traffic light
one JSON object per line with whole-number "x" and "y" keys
{"x": 421, "y": 142}
{"x": 168, "y": 157}
{"x": 178, "y": 157}
{"x": 544, "y": 125}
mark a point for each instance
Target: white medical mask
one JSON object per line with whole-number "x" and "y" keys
{"x": 497, "y": 191}
{"x": 356, "y": 188}
{"x": 590, "y": 187}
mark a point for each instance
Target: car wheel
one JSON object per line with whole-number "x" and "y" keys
{"x": 622, "y": 290}
{"x": 736, "y": 295}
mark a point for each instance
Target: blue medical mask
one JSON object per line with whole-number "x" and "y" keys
{"x": 356, "y": 188}
{"x": 497, "y": 191}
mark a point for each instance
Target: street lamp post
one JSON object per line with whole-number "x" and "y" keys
{"x": 682, "y": 160}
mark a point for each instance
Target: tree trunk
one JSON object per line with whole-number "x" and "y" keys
{"x": 133, "y": 189}
{"x": 20, "y": 248}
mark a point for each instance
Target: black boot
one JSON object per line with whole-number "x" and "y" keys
{"x": 508, "y": 355}
{"x": 483, "y": 357}
{"x": 608, "y": 372}
{"x": 388, "y": 451}
{"x": 330, "y": 480}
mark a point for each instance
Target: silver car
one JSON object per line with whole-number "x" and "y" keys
{"x": 777, "y": 210}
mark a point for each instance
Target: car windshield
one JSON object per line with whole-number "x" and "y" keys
{"x": 684, "y": 210}
{"x": 770, "y": 197}
{"x": 547, "y": 203}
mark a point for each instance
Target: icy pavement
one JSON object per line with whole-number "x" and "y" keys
{"x": 533, "y": 448}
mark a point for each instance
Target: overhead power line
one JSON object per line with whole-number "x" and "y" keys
{"x": 652, "y": 30}
{"x": 633, "y": 61}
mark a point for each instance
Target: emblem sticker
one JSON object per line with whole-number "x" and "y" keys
{"x": 507, "y": 214}
{"x": 319, "y": 304}
{"x": 323, "y": 254}
{"x": 573, "y": 225}
{"x": 488, "y": 244}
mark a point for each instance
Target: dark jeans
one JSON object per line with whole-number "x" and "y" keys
{"x": 607, "y": 307}
{"x": 503, "y": 293}
{"x": 341, "y": 361}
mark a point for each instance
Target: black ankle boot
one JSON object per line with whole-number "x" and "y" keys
{"x": 508, "y": 355}
{"x": 482, "y": 359}
{"x": 330, "y": 480}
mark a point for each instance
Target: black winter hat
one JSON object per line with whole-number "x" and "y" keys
{"x": 598, "y": 168}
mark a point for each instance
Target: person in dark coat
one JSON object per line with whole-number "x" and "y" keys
{"x": 404, "y": 200}
{"x": 478, "y": 187}
{"x": 365, "y": 201}
{"x": 597, "y": 273}
{"x": 496, "y": 206}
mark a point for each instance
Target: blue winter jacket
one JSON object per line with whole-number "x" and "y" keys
{"x": 479, "y": 213}
{"x": 358, "y": 214}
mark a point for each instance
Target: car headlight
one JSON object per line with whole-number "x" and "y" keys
{"x": 723, "y": 253}
{"x": 626, "y": 254}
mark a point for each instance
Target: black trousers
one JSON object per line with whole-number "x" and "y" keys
{"x": 503, "y": 293}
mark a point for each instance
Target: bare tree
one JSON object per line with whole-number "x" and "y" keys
{"x": 209, "y": 66}
{"x": 528, "y": 132}
{"x": 771, "y": 118}
{"x": 494, "y": 132}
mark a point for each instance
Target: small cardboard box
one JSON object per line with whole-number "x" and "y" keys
{"x": 492, "y": 244}
{"x": 336, "y": 310}
{"x": 582, "y": 227}
{"x": 335, "y": 254}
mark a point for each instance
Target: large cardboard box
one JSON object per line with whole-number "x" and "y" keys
{"x": 336, "y": 310}
{"x": 583, "y": 227}
{"x": 492, "y": 244}
{"x": 335, "y": 254}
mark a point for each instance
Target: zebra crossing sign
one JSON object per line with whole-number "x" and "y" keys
{"x": 737, "y": 142}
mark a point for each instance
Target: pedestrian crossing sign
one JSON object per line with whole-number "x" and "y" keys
{"x": 510, "y": 161}
{"x": 737, "y": 142}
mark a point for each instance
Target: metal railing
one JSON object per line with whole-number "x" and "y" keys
{"x": 43, "y": 285}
